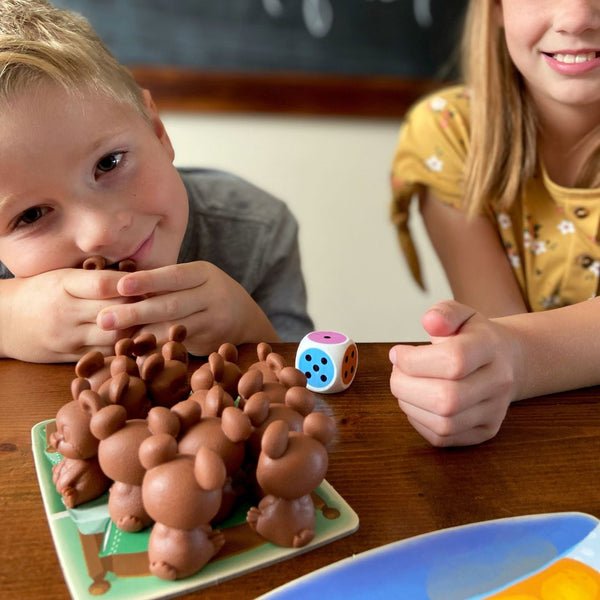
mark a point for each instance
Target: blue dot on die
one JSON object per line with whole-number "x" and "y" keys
{"x": 317, "y": 366}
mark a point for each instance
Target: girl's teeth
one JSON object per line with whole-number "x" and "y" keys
{"x": 574, "y": 58}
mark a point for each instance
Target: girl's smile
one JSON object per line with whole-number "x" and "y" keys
{"x": 571, "y": 62}
{"x": 555, "y": 45}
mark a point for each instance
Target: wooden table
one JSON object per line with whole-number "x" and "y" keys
{"x": 546, "y": 458}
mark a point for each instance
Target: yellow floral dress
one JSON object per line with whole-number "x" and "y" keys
{"x": 550, "y": 235}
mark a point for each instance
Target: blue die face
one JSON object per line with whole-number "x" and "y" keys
{"x": 317, "y": 366}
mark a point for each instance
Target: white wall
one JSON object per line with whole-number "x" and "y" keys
{"x": 333, "y": 173}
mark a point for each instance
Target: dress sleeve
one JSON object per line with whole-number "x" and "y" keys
{"x": 431, "y": 153}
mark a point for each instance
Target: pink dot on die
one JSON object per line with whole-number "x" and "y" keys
{"x": 327, "y": 337}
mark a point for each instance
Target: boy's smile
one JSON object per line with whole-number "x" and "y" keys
{"x": 82, "y": 176}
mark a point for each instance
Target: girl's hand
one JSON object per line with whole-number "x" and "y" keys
{"x": 51, "y": 317}
{"x": 212, "y": 306}
{"x": 457, "y": 390}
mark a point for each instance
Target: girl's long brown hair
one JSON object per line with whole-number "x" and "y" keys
{"x": 503, "y": 151}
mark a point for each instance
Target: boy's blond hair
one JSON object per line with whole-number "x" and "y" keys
{"x": 41, "y": 43}
{"x": 504, "y": 130}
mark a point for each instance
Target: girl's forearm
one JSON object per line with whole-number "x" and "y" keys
{"x": 556, "y": 350}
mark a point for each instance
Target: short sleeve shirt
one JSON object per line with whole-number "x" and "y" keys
{"x": 550, "y": 234}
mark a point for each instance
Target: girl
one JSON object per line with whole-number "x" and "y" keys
{"x": 507, "y": 171}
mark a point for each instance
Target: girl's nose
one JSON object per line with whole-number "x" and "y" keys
{"x": 97, "y": 231}
{"x": 576, "y": 16}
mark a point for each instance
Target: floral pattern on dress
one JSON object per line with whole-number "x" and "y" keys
{"x": 544, "y": 234}
{"x": 434, "y": 163}
{"x": 566, "y": 227}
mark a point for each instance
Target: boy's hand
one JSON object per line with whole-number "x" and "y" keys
{"x": 457, "y": 390}
{"x": 212, "y": 306}
{"x": 51, "y": 317}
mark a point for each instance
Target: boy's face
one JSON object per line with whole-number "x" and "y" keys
{"x": 83, "y": 178}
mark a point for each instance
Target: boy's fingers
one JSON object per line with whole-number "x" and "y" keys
{"x": 174, "y": 306}
{"x": 170, "y": 278}
{"x": 93, "y": 285}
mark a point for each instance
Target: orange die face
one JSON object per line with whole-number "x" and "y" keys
{"x": 349, "y": 362}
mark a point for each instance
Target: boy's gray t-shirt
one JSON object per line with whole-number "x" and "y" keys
{"x": 253, "y": 237}
{"x": 250, "y": 235}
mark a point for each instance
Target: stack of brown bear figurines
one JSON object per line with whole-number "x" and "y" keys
{"x": 177, "y": 451}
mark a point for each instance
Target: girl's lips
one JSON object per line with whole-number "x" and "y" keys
{"x": 572, "y": 63}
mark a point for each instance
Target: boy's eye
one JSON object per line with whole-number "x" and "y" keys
{"x": 109, "y": 162}
{"x": 30, "y": 216}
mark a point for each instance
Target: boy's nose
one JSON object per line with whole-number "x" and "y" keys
{"x": 100, "y": 230}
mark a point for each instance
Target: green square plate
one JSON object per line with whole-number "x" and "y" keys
{"x": 97, "y": 559}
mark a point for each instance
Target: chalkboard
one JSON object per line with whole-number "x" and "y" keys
{"x": 377, "y": 43}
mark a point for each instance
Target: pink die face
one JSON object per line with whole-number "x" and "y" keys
{"x": 328, "y": 359}
{"x": 327, "y": 337}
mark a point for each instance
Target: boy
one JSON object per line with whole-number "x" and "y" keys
{"x": 86, "y": 168}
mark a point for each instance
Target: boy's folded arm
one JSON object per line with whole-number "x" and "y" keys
{"x": 42, "y": 319}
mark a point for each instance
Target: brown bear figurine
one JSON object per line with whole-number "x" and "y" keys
{"x": 78, "y": 477}
{"x": 182, "y": 493}
{"x": 291, "y": 465}
{"x": 120, "y": 440}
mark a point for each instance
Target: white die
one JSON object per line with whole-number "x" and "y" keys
{"x": 328, "y": 359}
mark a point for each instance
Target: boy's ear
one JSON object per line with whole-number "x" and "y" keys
{"x": 157, "y": 124}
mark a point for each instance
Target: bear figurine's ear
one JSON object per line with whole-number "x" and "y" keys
{"x": 229, "y": 352}
{"x": 175, "y": 351}
{"x": 124, "y": 347}
{"x": 209, "y": 469}
{"x": 202, "y": 379}
{"x": 250, "y": 383}
{"x": 89, "y": 363}
{"x": 235, "y": 424}
{"x": 91, "y": 402}
{"x": 301, "y": 399}
{"x": 177, "y": 333}
{"x": 257, "y": 408}
{"x": 108, "y": 420}
{"x": 156, "y": 450}
{"x": 189, "y": 413}
{"x": 120, "y": 364}
{"x": 263, "y": 350}
{"x": 174, "y": 348}
{"x": 214, "y": 401}
{"x": 275, "y": 362}
{"x": 290, "y": 376}
{"x": 320, "y": 427}
{"x": 152, "y": 367}
{"x": 217, "y": 365}
{"x": 117, "y": 386}
{"x": 274, "y": 442}
{"x": 162, "y": 420}
{"x": 144, "y": 344}
{"x": 78, "y": 385}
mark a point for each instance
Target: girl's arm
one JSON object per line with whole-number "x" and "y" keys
{"x": 473, "y": 258}
{"x": 486, "y": 350}
{"x": 457, "y": 390}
